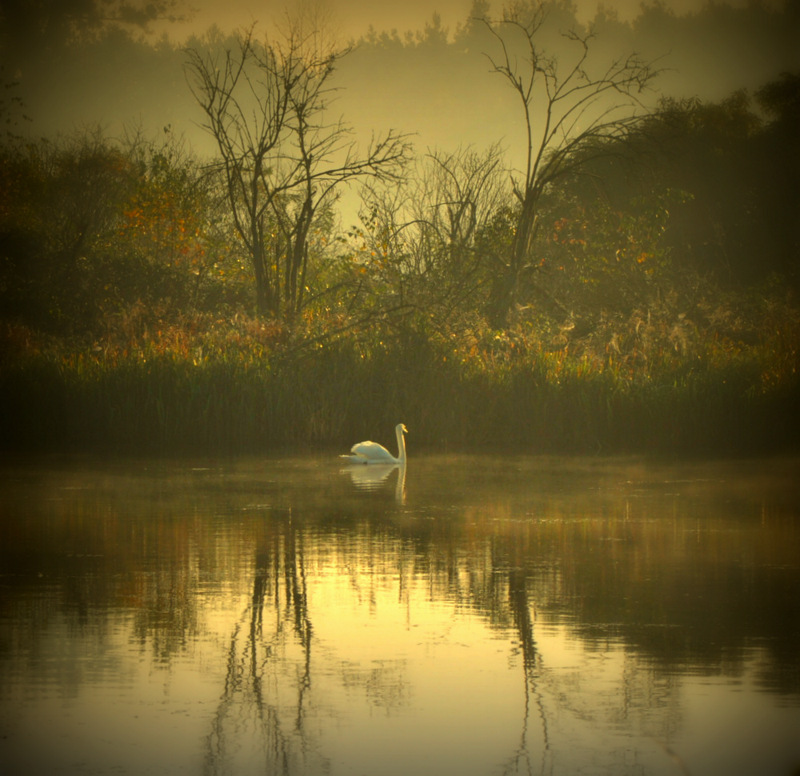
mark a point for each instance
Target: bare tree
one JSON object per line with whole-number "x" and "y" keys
{"x": 568, "y": 104}
{"x": 265, "y": 106}
{"x": 432, "y": 225}
{"x": 464, "y": 189}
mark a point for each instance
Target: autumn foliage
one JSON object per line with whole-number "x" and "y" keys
{"x": 657, "y": 310}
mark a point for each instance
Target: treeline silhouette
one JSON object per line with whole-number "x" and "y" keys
{"x": 657, "y": 310}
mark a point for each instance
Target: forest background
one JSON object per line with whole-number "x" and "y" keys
{"x": 375, "y": 269}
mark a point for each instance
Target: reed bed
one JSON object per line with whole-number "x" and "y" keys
{"x": 249, "y": 397}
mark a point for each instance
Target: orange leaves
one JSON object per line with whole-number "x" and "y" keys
{"x": 163, "y": 225}
{"x": 134, "y": 217}
{"x": 569, "y": 232}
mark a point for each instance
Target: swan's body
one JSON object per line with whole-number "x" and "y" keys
{"x": 372, "y": 452}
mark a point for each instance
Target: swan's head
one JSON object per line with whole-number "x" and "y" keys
{"x": 401, "y": 428}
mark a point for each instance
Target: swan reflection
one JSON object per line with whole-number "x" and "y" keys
{"x": 376, "y": 477}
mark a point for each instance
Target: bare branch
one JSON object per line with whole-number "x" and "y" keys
{"x": 566, "y": 105}
{"x": 266, "y": 105}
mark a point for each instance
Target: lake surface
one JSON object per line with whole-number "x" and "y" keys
{"x": 466, "y": 616}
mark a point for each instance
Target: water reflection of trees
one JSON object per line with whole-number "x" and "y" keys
{"x": 269, "y": 670}
{"x": 692, "y": 586}
{"x": 669, "y": 587}
{"x": 696, "y": 589}
{"x": 534, "y": 710}
{"x": 105, "y": 560}
{"x": 513, "y": 573}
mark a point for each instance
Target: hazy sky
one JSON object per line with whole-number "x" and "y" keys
{"x": 354, "y": 17}
{"x": 122, "y": 87}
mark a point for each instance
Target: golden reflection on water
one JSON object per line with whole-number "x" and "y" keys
{"x": 464, "y": 616}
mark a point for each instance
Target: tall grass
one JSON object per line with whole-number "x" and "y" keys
{"x": 245, "y": 395}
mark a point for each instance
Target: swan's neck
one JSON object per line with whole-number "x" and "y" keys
{"x": 401, "y": 446}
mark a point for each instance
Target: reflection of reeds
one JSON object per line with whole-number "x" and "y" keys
{"x": 240, "y": 394}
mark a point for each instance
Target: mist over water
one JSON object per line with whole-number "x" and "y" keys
{"x": 464, "y": 615}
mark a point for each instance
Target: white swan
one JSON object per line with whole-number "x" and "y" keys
{"x": 372, "y": 452}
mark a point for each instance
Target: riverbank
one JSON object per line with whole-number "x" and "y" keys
{"x": 505, "y": 397}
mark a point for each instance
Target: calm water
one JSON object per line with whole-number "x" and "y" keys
{"x": 466, "y": 616}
